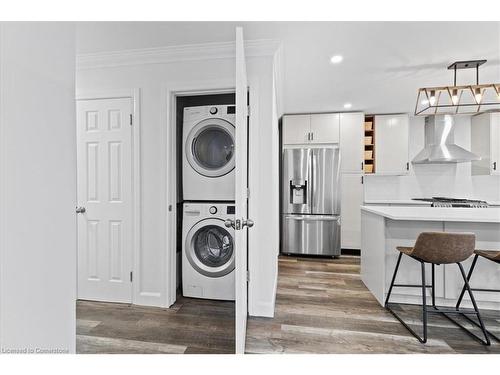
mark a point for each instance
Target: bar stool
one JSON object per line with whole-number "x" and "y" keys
{"x": 438, "y": 248}
{"x": 490, "y": 255}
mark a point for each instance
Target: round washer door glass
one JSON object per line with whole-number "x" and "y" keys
{"x": 213, "y": 246}
{"x": 210, "y": 147}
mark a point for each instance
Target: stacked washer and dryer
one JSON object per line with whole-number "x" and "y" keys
{"x": 208, "y": 192}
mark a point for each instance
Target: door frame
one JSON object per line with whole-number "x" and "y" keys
{"x": 169, "y": 180}
{"x": 133, "y": 94}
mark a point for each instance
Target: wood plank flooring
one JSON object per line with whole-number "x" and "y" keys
{"x": 190, "y": 326}
{"x": 322, "y": 306}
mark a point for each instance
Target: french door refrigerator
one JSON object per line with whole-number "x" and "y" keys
{"x": 311, "y": 201}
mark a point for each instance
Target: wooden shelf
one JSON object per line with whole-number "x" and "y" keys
{"x": 370, "y": 167}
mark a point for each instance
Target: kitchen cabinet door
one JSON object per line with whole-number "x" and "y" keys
{"x": 495, "y": 143}
{"x": 296, "y": 129}
{"x": 391, "y": 144}
{"x": 351, "y": 142}
{"x": 325, "y": 128}
{"x": 350, "y": 212}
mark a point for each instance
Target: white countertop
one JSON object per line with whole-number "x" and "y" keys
{"x": 476, "y": 215}
{"x": 397, "y": 201}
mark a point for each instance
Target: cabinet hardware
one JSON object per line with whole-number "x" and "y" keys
{"x": 312, "y": 136}
{"x": 407, "y": 166}
{"x": 362, "y": 165}
{"x": 362, "y": 179}
{"x": 494, "y": 165}
{"x": 131, "y": 276}
{"x": 80, "y": 210}
{"x": 131, "y": 120}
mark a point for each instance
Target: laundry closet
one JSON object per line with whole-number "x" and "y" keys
{"x": 205, "y": 159}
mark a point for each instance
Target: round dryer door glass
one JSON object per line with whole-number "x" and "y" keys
{"x": 210, "y": 147}
{"x": 213, "y": 148}
{"x": 213, "y": 246}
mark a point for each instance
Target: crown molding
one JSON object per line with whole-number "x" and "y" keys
{"x": 163, "y": 55}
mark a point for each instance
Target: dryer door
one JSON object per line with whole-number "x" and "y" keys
{"x": 210, "y": 248}
{"x": 210, "y": 147}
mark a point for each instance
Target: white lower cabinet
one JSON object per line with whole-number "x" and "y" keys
{"x": 351, "y": 200}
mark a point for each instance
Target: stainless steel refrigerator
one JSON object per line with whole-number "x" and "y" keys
{"x": 311, "y": 201}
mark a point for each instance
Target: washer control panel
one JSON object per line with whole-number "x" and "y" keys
{"x": 212, "y": 210}
{"x": 213, "y": 110}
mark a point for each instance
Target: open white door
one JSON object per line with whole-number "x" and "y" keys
{"x": 241, "y": 218}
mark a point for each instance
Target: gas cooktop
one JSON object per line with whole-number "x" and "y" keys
{"x": 453, "y": 202}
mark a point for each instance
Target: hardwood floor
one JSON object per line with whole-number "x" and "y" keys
{"x": 323, "y": 307}
{"x": 190, "y": 326}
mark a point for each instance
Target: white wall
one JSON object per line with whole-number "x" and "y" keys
{"x": 427, "y": 180}
{"x": 38, "y": 187}
{"x": 153, "y": 80}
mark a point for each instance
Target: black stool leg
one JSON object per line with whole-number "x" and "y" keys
{"x": 424, "y": 300}
{"x": 433, "y": 290}
{"x": 471, "y": 269}
{"x": 393, "y": 279}
{"x": 423, "y": 339}
{"x": 487, "y": 339}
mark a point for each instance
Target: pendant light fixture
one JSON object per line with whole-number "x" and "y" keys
{"x": 458, "y": 98}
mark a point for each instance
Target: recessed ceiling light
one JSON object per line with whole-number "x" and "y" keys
{"x": 347, "y": 105}
{"x": 336, "y": 59}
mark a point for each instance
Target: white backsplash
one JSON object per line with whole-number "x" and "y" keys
{"x": 427, "y": 180}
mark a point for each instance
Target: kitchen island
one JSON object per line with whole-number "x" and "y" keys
{"x": 385, "y": 227}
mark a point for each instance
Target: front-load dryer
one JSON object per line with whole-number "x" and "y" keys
{"x": 208, "y": 254}
{"x": 208, "y": 153}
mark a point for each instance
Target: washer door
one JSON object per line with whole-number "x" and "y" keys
{"x": 210, "y": 147}
{"x": 210, "y": 248}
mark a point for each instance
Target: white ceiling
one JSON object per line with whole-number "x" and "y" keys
{"x": 384, "y": 62}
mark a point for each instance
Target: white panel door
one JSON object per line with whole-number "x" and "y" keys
{"x": 350, "y": 212}
{"x": 325, "y": 128}
{"x": 391, "y": 144}
{"x": 351, "y": 142}
{"x": 296, "y": 129}
{"x": 241, "y": 171}
{"x": 104, "y": 147}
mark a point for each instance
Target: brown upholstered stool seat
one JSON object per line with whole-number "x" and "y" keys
{"x": 489, "y": 254}
{"x": 441, "y": 247}
{"x": 405, "y": 250}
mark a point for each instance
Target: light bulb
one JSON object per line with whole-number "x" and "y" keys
{"x": 477, "y": 95}
{"x": 432, "y": 98}
{"x": 454, "y": 96}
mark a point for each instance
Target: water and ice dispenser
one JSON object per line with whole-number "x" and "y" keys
{"x": 298, "y": 192}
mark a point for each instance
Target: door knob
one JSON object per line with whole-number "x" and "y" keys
{"x": 229, "y": 223}
{"x": 247, "y": 222}
{"x": 80, "y": 210}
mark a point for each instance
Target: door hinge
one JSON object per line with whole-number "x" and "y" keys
{"x": 362, "y": 179}
{"x": 131, "y": 276}
{"x": 407, "y": 166}
{"x": 131, "y": 119}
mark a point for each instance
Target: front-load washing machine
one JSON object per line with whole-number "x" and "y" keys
{"x": 208, "y": 251}
{"x": 208, "y": 153}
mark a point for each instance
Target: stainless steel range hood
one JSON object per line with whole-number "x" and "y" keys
{"x": 440, "y": 144}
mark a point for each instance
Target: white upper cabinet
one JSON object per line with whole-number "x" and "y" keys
{"x": 325, "y": 128}
{"x": 351, "y": 142}
{"x": 311, "y": 129}
{"x": 485, "y": 142}
{"x": 296, "y": 129}
{"x": 391, "y": 144}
